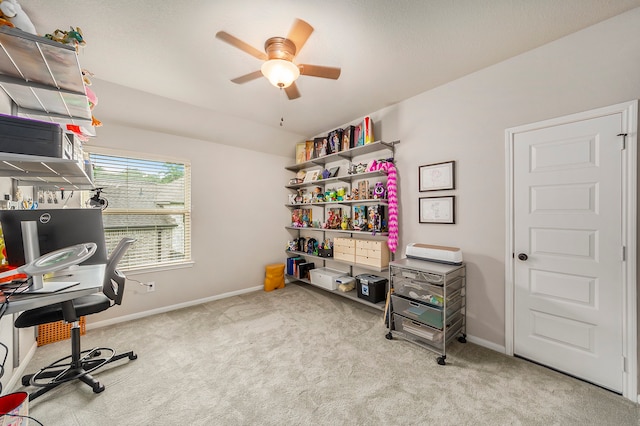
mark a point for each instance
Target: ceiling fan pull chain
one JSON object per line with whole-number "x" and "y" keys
{"x": 282, "y": 94}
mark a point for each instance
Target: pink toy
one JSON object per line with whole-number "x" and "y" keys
{"x": 392, "y": 195}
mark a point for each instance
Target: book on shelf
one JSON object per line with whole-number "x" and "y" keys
{"x": 301, "y": 152}
{"x": 347, "y": 137}
{"x": 309, "y": 150}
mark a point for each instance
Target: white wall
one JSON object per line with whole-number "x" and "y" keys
{"x": 465, "y": 121}
{"x": 238, "y": 200}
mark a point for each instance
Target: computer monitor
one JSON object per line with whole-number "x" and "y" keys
{"x": 56, "y": 228}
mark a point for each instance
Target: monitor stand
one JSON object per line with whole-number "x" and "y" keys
{"x": 32, "y": 252}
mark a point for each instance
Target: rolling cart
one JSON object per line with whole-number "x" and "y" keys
{"x": 427, "y": 304}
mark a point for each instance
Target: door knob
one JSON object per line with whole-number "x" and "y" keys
{"x": 523, "y": 256}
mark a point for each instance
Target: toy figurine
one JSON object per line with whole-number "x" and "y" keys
{"x": 379, "y": 191}
{"x": 345, "y": 222}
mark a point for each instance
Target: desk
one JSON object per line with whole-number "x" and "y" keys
{"x": 89, "y": 276}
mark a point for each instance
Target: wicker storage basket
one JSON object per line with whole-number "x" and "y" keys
{"x": 56, "y": 331}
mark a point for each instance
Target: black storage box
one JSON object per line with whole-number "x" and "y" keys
{"x": 371, "y": 287}
{"x": 23, "y": 136}
{"x": 322, "y": 252}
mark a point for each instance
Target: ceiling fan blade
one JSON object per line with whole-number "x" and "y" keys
{"x": 319, "y": 71}
{"x": 299, "y": 33}
{"x": 292, "y": 91}
{"x": 247, "y": 77}
{"x": 237, "y": 43}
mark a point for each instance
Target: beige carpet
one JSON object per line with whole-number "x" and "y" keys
{"x": 299, "y": 356}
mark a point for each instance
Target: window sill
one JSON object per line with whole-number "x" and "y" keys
{"x": 159, "y": 268}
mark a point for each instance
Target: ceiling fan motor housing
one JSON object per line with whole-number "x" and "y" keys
{"x": 280, "y": 48}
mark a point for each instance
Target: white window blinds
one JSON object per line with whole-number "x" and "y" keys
{"x": 148, "y": 200}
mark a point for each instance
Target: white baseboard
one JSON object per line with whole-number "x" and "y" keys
{"x": 170, "y": 308}
{"x": 487, "y": 344}
{"x": 19, "y": 371}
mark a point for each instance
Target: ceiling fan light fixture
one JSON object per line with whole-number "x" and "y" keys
{"x": 280, "y": 73}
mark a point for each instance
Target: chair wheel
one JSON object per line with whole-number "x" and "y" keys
{"x": 133, "y": 356}
{"x": 389, "y": 336}
{"x": 26, "y": 380}
{"x": 97, "y": 388}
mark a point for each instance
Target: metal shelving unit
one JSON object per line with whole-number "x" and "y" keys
{"x": 44, "y": 80}
{"x": 347, "y": 155}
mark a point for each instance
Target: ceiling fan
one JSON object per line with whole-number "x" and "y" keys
{"x": 279, "y": 53}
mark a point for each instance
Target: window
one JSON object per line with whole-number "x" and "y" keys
{"x": 149, "y": 200}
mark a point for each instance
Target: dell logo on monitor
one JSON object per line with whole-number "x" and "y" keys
{"x": 45, "y": 218}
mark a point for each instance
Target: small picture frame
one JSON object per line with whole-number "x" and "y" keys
{"x": 437, "y": 209}
{"x": 333, "y": 172}
{"x": 311, "y": 176}
{"x": 436, "y": 177}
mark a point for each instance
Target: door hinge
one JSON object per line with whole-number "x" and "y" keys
{"x": 624, "y": 140}
{"x": 624, "y": 253}
{"x": 624, "y": 364}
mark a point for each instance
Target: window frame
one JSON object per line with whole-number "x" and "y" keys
{"x": 186, "y": 211}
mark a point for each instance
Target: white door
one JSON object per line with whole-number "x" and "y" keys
{"x": 568, "y": 294}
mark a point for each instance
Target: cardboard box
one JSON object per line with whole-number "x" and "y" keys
{"x": 326, "y": 278}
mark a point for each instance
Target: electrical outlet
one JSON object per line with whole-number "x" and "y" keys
{"x": 151, "y": 286}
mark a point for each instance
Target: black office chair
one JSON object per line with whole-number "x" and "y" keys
{"x": 79, "y": 364}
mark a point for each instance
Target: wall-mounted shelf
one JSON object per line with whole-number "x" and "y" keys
{"x": 341, "y": 231}
{"x": 358, "y": 265}
{"x": 342, "y": 155}
{"x": 345, "y": 202}
{"x": 45, "y": 171}
{"x": 43, "y": 78}
{"x": 353, "y": 294}
{"x": 339, "y": 179}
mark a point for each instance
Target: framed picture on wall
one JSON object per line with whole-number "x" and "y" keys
{"x": 436, "y": 177}
{"x": 437, "y": 209}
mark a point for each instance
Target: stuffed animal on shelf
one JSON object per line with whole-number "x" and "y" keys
{"x": 12, "y": 10}
{"x": 73, "y": 37}
{"x": 5, "y": 21}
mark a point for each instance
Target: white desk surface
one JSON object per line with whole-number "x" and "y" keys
{"x": 89, "y": 276}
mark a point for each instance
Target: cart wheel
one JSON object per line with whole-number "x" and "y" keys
{"x": 462, "y": 339}
{"x": 441, "y": 360}
{"x": 389, "y": 336}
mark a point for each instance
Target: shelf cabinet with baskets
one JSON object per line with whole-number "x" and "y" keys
{"x": 44, "y": 81}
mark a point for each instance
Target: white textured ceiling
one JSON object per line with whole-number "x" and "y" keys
{"x": 388, "y": 51}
